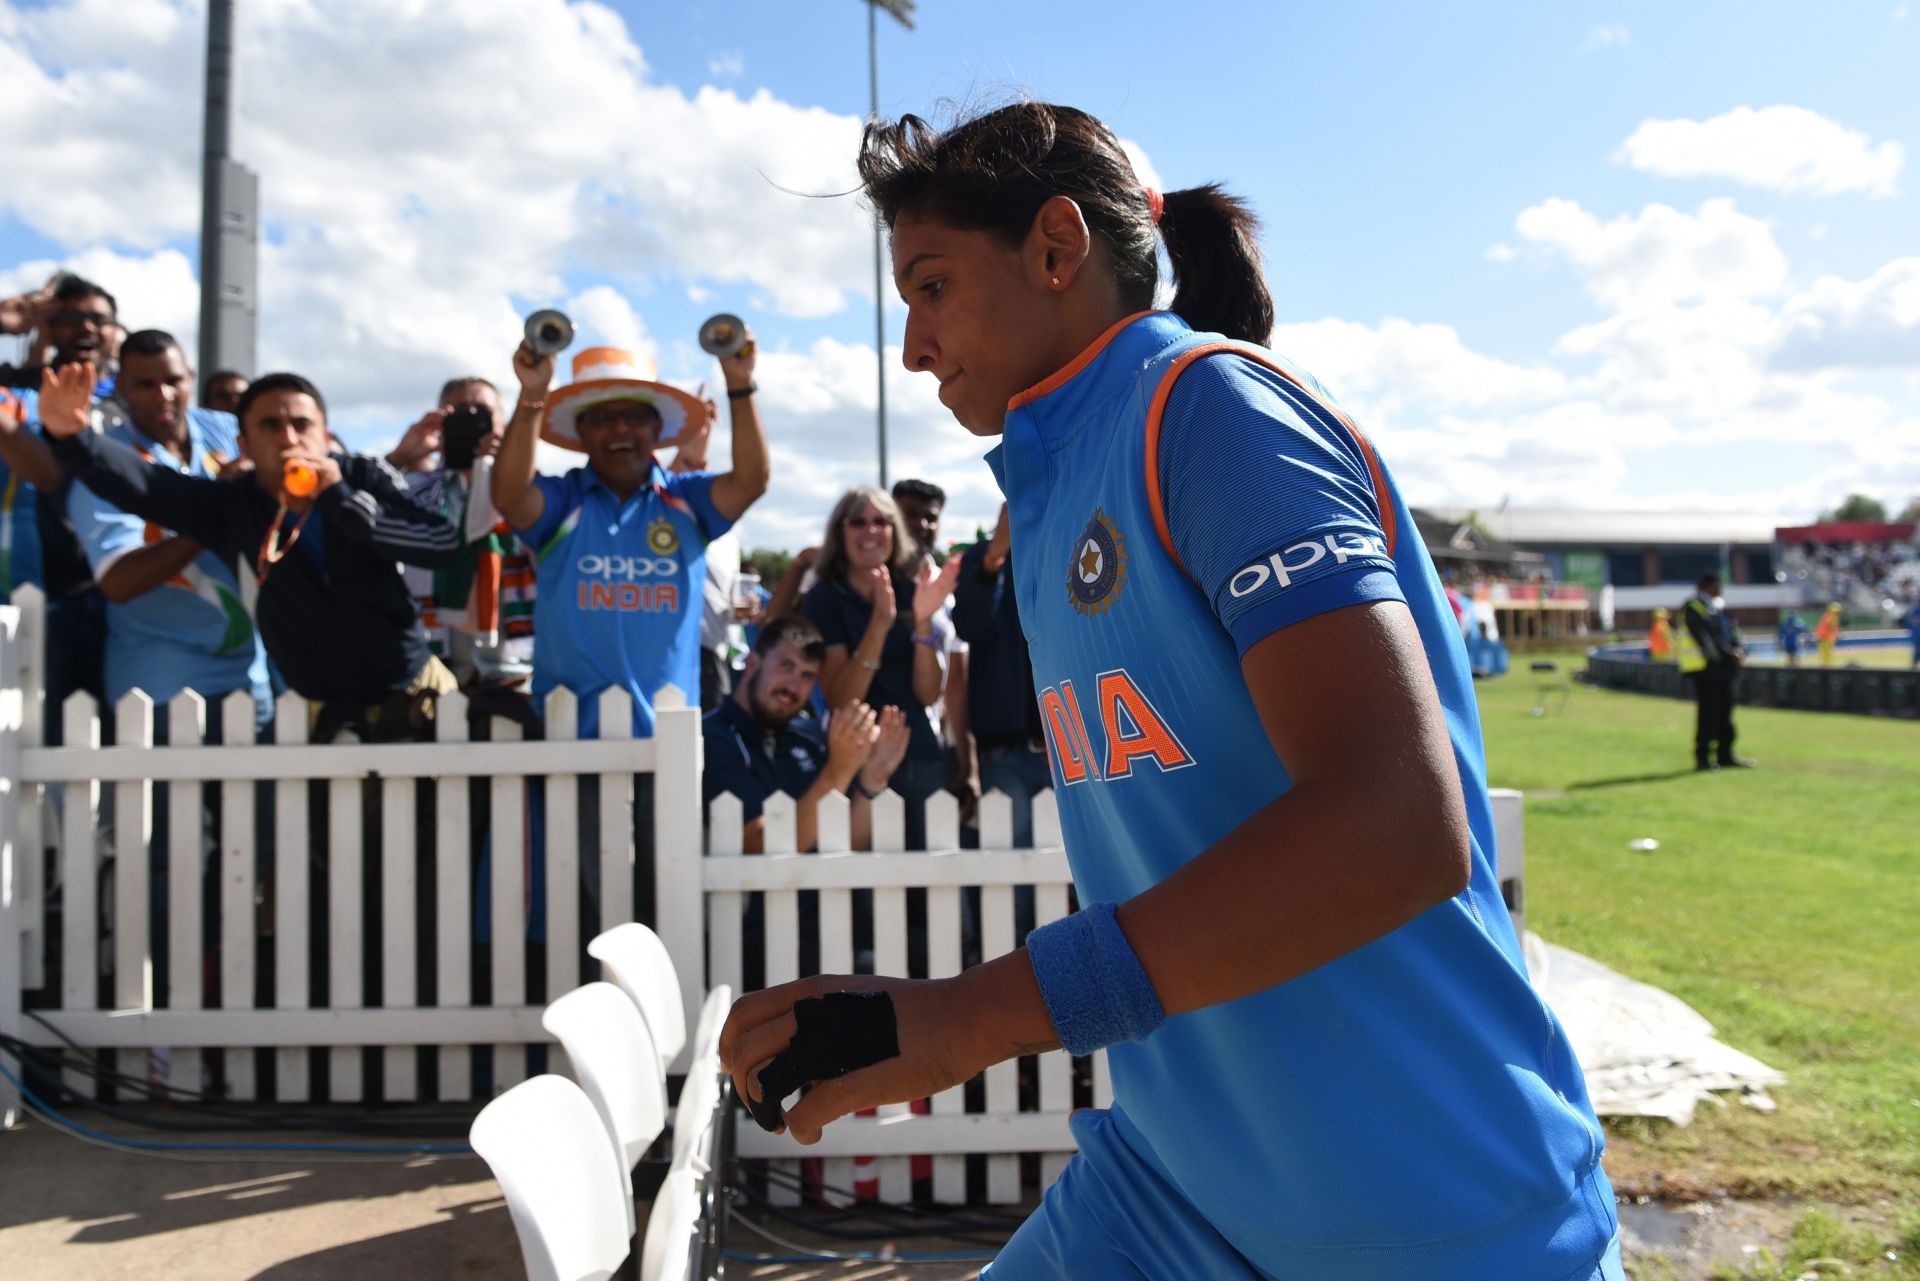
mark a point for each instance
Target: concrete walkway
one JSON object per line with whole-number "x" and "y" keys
{"x": 72, "y": 1211}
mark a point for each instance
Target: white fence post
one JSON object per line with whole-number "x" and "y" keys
{"x": 677, "y": 904}
{"x": 563, "y": 852}
{"x": 13, "y": 908}
{"x": 453, "y": 884}
{"x": 508, "y": 913}
{"x": 996, "y": 939}
{"x": 889, "y": 822}
{"x": 132, "y": 830}
{"x": 30, "y": 859}
{"x": 943, "y": 961}
{"x": 239, "y": 887}
{"x": 346, "y": 978}
{"x": 292, "y": 917}
{"x": 186, "y": 865}
{"x": 80, "y": 881}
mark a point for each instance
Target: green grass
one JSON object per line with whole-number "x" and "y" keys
{"x": 1822, "y": 1245}
{"x": 1783, "y": 904}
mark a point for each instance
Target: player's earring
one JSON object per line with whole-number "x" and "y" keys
{"x": 1056, "y": 282}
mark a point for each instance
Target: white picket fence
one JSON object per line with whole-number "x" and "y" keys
{"x": 885, "y": 1143}
{"x": 52, "y": 799}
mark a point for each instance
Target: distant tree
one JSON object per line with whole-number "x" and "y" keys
{"x": 769, "y": 562}
{"x": 1911, "y": 512}
{"x": 1858, "y": 507}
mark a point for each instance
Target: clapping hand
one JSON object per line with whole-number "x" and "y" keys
{"x": 889, "y": 749}
{"x": 885, "y": 607}
{"x": 933, "y": 593}
{"x": 66, "y": 399}
{"x": 851, "y": 735}
{"x": 23, "y": 313}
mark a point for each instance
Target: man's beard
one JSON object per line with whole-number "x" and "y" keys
{"x": 764, "y": 713}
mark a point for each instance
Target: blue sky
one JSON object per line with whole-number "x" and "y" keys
{"x": 1474, "y": 232}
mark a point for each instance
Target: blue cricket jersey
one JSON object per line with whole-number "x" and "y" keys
{"x": 1412, "y": 1109}
{"x": 192, "y": 632}
{"x": 620, "y": 588}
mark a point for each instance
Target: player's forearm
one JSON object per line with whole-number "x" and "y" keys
{"x": 1323, "y": 870}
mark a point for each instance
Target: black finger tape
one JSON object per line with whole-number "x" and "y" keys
{"x": 834, "y": 1034}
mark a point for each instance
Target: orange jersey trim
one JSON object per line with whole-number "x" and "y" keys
{"x": 1061, "y": 377}
{"x": 1156, "y": 410}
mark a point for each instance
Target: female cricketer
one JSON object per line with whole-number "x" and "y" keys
{"x": 1327, "y": 1060}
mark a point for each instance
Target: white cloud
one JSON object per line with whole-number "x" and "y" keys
{"x": 1607, "y": 37}
{"x": 1781, "y": 148}
{"x": 1866, "y": 324}
{"x": 1398, "y": 365}
{"x": 1660, "y": 255}
{"x": 726, "y": 66}
{"x": 1901, "y": 13}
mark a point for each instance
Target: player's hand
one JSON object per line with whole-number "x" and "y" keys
{"x": 66, "y": 399}
{"x": 937, "y": 1050}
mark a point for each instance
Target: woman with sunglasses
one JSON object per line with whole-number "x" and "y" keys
{"x": 1327, "y": 1059}
{"x": 886, "y": 636}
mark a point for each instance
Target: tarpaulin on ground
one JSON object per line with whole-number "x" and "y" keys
{"x": 1645, "y": 1052}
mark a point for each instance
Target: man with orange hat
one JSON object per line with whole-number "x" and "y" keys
{"x": 620, "y": 543}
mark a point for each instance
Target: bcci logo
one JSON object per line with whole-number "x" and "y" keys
{"x": 662, "y": 538}
{"x": 1098, "y": 569}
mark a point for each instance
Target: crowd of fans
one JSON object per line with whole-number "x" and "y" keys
{"x": 236, "y": 545}
{"x": 1869, "y": 579}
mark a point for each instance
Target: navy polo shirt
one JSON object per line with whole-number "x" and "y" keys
{"x": 746, "y": 760}
{"x": 620, "y": 588}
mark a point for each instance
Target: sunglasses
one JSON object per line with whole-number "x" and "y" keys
{"x": 863, "y": 522}
{"x": 98, "y": 319}
{"x": 607, "y": 415}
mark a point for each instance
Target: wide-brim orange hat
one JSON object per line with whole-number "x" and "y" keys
{"x": 604, "y": 374}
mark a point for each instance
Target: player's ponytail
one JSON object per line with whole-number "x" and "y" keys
{"x": 1211, "y": 242}
{"x": 993, "y": 172}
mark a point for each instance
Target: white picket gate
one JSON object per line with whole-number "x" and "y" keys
{"x": 1001, "y": 1129}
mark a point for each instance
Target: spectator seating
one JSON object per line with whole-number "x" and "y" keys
{"x": 559, "y": 1170}
{"x": 607, "y": 1040}
{"x": 564, "y": 1154}
{"x": 635, "y": 958}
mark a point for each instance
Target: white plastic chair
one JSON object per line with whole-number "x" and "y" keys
{"x": 636, "y": 959}
{"x": 672, "y": 1227}
{"x": 613, "y": 1056}
{"x": 560, "y": 1173}
{"x": 693, "y": 1116}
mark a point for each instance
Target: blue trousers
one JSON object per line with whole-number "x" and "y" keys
{"x": 1112, "y": 1217}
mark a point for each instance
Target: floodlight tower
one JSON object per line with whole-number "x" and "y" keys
{"x": 229, "y": 219}
{"x": 902, "y": 12}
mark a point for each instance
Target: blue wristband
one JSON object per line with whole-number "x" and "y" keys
{"x": 1095, "y": 990}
